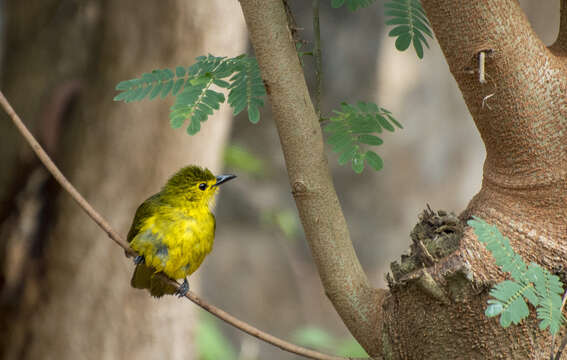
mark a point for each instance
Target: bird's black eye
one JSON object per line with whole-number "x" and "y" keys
{"x": 202, "y": 186}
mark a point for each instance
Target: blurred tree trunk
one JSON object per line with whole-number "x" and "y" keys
{"x": 65, "y": 290}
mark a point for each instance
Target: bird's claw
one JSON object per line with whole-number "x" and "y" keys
{"x": 139, "y": 259}
{"x": 183, "y": 289}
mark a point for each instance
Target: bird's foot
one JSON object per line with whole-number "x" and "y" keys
{"x": 183, "y": 289}
{"x": 139, "y": 259}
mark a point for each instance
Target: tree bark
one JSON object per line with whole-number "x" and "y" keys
{"x": 77, "y": 303}
{"x": 436, "y": 310}
{"x": 521, "y": 114}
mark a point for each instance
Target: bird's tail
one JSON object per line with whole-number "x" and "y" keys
{"x": 145, "y": 277}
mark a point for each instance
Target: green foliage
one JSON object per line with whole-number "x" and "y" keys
{"x": 193, "y": 89}
{"x": 533, "y": 283}
{"x": 239, "y": 158}
{"x": 247, "y": 89}
{"x": 211, "y": 343}
{"x": 410, "y": 24}
{"x": 317, "y": 338}
{"x": 352, "y": 5}
{"x": 355, "y": 126}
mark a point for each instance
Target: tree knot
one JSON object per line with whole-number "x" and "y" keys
{"x": 299, "y": 188}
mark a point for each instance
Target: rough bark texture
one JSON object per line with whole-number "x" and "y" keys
{"x": 436, "y": 311}
{"x": 77, "y": 303}
{"x": 521, "y": 113}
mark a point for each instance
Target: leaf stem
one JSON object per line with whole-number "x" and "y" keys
{"x": 318, "y": 58}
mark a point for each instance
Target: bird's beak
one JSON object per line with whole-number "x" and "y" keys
{"x": 223, "y": 178}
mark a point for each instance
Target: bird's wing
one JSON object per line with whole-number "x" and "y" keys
{"x": 145, "y": 210}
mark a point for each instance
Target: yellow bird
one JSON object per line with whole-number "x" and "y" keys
{"x": 174, "y": 230}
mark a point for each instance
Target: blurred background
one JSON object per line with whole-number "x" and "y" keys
{"x": 64, "y": 288}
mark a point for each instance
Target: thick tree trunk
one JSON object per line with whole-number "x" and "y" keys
{"x": 521, "y": 113}
{"x": 436, "y": 310}
{"x": 75, "y": 300}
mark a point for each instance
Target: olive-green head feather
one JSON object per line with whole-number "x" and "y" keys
{"x": 194, "y": 186}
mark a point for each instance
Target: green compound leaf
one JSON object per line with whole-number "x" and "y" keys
{"x": 348, "y": 153}
{"x": 358, "y": 163}
{"x": 370, "y": 140}
{"x": 167, "y": 86}
{"x": 374, "y": 160}
{"x": 501, "y": 250}
{"x": 180, "y": 71}
{"x": 391, "y": 118}
{"x": 410, "y": 24}
{"x": 177, "y": 86}
{"x": 403, "y": 42}
{"x": 192, "y": 86}
{"x": 355, "y": 126}
{"x": 510, "y": 296}
{"x": 155, "y": 91}
{"x": 549, "y": 289}
{"x": 247, "y": 89}
{"x": 418, "y": 49}
{"x": 494, "y": 308}
{"x": 533, "y": 283}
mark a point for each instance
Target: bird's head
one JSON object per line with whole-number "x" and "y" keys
{"x": 194, "y": 186}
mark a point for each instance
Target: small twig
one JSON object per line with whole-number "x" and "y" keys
{"x": 481, "y": 60}
{"x": 318, "y": 60}
{"x": 485, "y": 101}
{"x": 426, "y": 257}
{"x": 221, "y": 314}
{"x": 226, "y": 317}
{"x": 563, "y": 301}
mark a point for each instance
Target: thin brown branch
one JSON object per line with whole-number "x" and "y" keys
{"x": 259, "y": 334}
{"x": 84, "y": 204}
{"x": 345, "y": 283}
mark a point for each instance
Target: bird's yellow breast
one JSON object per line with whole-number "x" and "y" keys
{"x": 175, "y": 241}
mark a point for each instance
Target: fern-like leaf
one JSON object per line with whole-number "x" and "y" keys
{"x": 195, "y": 103}
{"x": 193, "y": 88}
{"x": 510, "y": 302}
{"x": 500, "y": 247}
{"x": 533, "y": 283}
{"x": 247, "y": 89}
{"x": 352, "y": 5}
{"x": 153, "y": 84}
{"x": 549, "y": 289}
{"x": 355, "y": 126}
{"x": 410, "y": 24}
